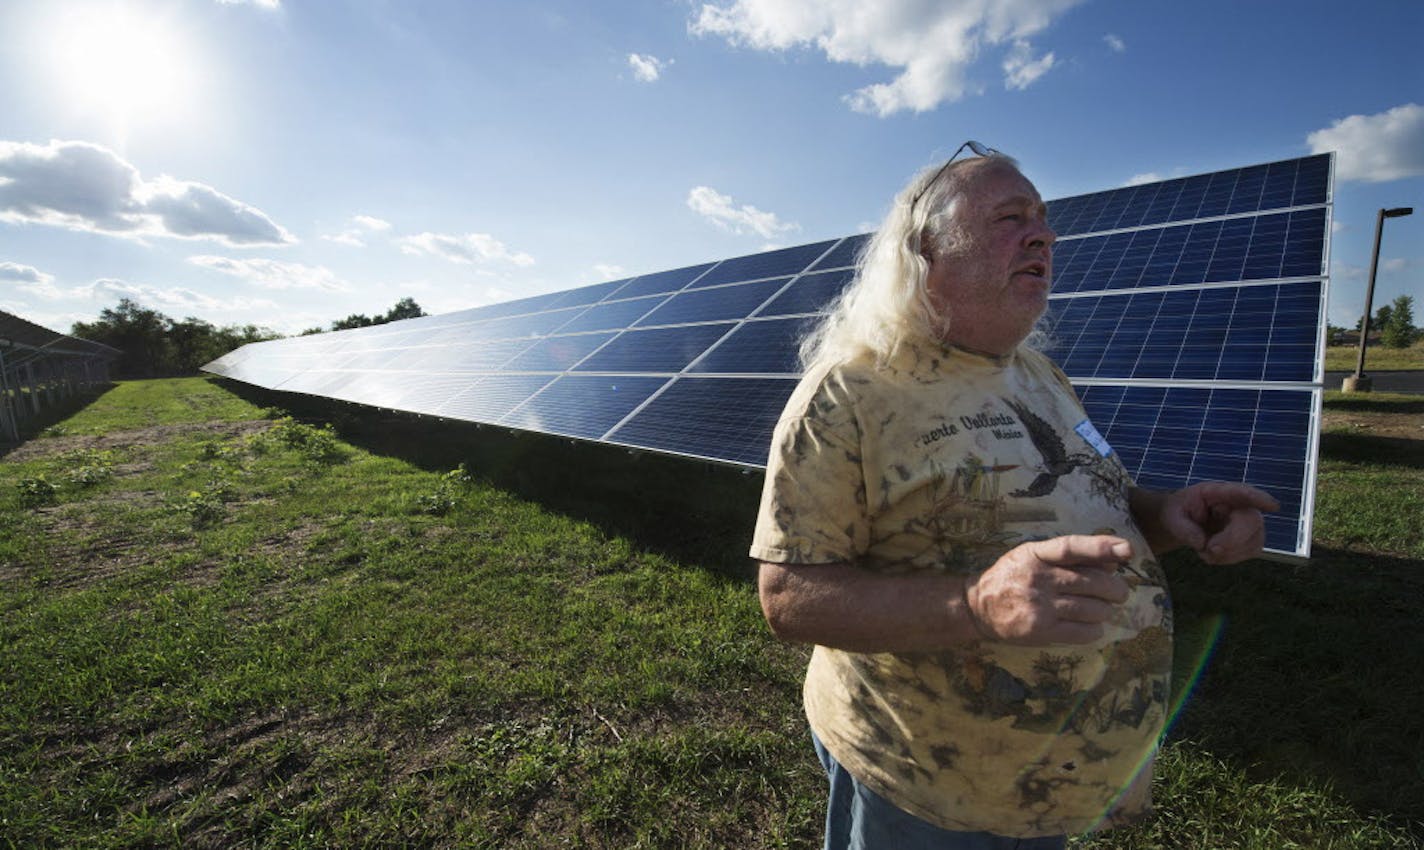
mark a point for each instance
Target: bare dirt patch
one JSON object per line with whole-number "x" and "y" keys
{"x": 1407, "y": 426}
{"x": 44, "y": 447}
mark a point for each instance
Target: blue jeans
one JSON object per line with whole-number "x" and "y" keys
{"x": 859, "y": 819}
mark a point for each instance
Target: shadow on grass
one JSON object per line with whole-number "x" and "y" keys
{"x": 693, "y": 511}
{"x": 1315, "y": 676}
{"x": 52, "y": 414}
{"x": 1363, "y": 403}
{"x": 1313, "y": 679}
{"x": 1363, "y": 448}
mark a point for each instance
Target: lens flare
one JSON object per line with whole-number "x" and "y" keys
{"x": 1210, "y": 631}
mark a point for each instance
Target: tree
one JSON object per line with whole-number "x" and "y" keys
{"x": 154, "y": 345}
{"x": 355, "y": 320}
{"x": 1397, "y": 330}
{"x": 406, "y": 308}
{"x": 138, "y": 332}
{"x": 1382, "y": 317}
{"x": 192, "y": 343}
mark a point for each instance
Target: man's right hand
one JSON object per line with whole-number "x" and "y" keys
{"x": 1056, "y": 591}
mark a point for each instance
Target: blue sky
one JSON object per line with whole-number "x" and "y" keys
{"x": 289, "y": 162}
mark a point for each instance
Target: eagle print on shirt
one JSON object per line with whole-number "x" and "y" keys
{"x": 1109, "y": 480}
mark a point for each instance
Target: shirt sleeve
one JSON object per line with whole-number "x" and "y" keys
{"x": 813, "y": 506}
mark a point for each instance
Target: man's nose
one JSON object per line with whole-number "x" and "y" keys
{"x": 1042, "y": 235}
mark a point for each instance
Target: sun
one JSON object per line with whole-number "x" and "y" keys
{"x": 121, "y": 62}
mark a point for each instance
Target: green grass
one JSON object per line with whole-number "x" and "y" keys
{"x": 1370, "y": 488}
{"x": 1378, "y": 358}
{"x": 255, "y": 632}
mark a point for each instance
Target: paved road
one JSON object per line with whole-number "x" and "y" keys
{"x": 1385, "y": 382}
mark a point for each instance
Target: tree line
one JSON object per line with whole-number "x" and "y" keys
{"x": 1391, "y": 326}
{"x": 154, "y": 345}
{"x": 1395, "y": 323}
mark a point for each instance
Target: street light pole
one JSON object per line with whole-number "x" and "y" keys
{"x": 1360, "y": 382}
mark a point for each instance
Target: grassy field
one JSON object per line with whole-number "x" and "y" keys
{"x": 1378, "y": 358}
{"x": 228, "y": 627}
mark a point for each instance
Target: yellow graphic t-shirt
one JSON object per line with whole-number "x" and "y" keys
{"x": 944, "y": 461}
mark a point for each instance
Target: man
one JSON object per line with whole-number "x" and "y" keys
{"x": 975, "y": 568}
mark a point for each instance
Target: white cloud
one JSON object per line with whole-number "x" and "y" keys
{"x": 1114, "y": 43}
{"x": 1375, "y": 148}
{"x": 1021, "y": 70}
{"x": 350, "y": 238}
{"x": 362, "y": 225}
{"x": 608, "y": 271}
{"x": 1145, "y": 177}
{"x": 29, "y": 279}
{"x": 274, "y": 274}
{"x": 16, "y": 273}
{"x": 175, "y": 299}
{"x": 264, "y": 4}
{"x": 647, "y": 69}
{"x": 932, "y": 43}
{"x": 1391, "y": 265}
{"x": 87, "y": 187}
{"x": 722, "y": 211}
{"x": 463, "y": 249}
{"x": 371, "y": 223}
{"x": 1347, "y": 272}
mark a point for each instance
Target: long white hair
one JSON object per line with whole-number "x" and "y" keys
{"x": 887, "y": 304}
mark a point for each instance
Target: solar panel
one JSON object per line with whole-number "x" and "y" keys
{"x": 1188, "y": 313}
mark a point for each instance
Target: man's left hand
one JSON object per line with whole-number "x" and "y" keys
{"x": 1220, "y": 520}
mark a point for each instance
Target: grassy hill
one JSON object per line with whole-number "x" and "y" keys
{"x": 228, "y": 627}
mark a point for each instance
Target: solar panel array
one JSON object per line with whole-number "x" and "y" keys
{"x": 1188, "y": 313}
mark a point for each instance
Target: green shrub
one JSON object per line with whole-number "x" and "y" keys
{"x": 203, "y": 507}
{"x": 37, "y": 492}
{"x": 318, "y": 445}
{"x": 88, "y": 467}
{"x": 438, "y": 503}
{"x": 88, "y": 476}
{"x": 214, "y": 450}
{"x": 446, "y": 494}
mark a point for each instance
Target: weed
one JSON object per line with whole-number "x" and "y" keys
{"x": 87, "y": 467}
{"x": 37, "y": 492}
{"x": 446, "y": 494}
{"x": 459, "y": 476}
{"x": 203, "y": 509}
{"x": 317, "y": 445}
{"x": 438, "y": 503}
{"x": 88, "y": 476}
{"x": 206, "y": 506}
{"x": 214, "y": 450}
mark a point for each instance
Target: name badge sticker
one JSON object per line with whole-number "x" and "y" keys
{"x": 1086, "y": 430}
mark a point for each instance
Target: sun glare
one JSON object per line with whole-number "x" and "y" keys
{"x": 121, "y": 62}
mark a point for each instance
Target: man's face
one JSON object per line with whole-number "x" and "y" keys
{"x": 994, "y": 284}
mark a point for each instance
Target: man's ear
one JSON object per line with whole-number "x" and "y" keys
{"x": 925, "y": 247}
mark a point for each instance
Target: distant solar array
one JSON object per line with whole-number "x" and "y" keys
{"x": 40, "y": 368}
{"x": 1188, "y": 313}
